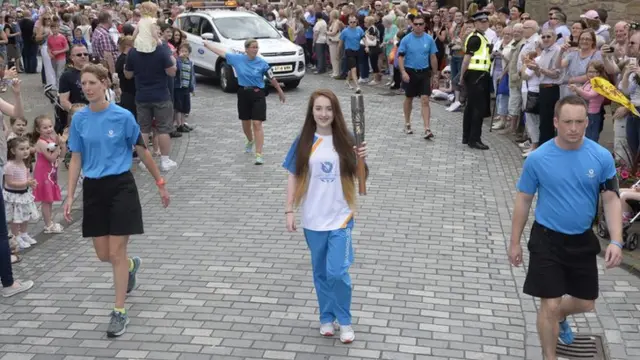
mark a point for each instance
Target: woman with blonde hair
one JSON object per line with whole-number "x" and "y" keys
{"x": 322, "y": 170}
{"x": 333, "y": 39}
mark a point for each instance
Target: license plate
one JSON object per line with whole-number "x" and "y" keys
{"x": 281, "y": 68}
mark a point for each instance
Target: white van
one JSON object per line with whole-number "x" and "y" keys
{"x": 230, "y": 29}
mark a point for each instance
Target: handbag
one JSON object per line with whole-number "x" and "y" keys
{"x": 533, "y": 106}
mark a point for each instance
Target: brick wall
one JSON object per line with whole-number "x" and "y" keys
{"x": 618, "y": 10}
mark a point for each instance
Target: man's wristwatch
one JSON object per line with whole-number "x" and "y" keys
{"x": 161, "y": 182}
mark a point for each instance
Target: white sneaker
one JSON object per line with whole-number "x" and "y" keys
{"x": 373, "y": 83}
{"x": 498, "y": 125}
{"x": 525, "y": 145}
{"x": 28, "y": 239}
{"x": 346, "y": 334}
{"x": 363, "y": 81}
{"x": 166, "y": 165}
{"x": 328, "y": 329}
{"x": 451, "y": 97}
{"x": 22, "y": 242}
{"x": 455, "y": 106}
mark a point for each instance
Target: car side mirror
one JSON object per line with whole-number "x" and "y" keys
{"x": 208, "y": 36}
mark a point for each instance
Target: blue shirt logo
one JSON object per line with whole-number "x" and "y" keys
{"x": 201, "y": 51}
{"x": 328, "y": 176}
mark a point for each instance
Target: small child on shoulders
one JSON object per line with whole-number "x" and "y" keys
{"x": 146, "y": 36}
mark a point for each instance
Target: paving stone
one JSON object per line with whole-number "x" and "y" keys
{"x": 222, "y": 279}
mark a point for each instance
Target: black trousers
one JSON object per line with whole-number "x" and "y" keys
{"x": 477, "y": 108}
{"x": 547, "y": 99}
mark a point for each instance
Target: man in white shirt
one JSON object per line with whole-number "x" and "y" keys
{"x": 531, "y": 39}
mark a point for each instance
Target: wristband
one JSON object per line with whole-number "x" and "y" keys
{"x": 160, "y": 182}
{"x": 618, "y": 244}
{"x": 288, "y": 212}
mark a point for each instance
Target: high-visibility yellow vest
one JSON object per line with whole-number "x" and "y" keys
{"x": 481, "y": 59}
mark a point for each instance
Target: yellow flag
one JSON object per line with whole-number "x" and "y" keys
{"x": 603, "y": 87}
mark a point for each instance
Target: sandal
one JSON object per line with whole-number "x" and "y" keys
{"x": 15, "y": 258}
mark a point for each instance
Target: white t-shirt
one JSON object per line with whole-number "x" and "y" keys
{"x": 320, "y": 28}
{"x": 323, "y": 207}
{"x": 533, "y": 84}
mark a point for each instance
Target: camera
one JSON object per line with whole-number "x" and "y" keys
{"x": 634, "y": 26}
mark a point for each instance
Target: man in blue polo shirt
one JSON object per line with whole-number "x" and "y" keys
{"x": 350, "y": 37}
{"x": 568, "y": 173}
{"x": 416, "y": 52}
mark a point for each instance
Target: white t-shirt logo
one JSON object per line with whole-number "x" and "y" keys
{"x": 591, "y": 174}
{"x": 110, "y": 133}
{"x": 328, "y": 175}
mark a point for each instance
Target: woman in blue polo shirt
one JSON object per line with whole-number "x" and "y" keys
{"x": 101, "y": 140}
{"x": 252, "y": 105}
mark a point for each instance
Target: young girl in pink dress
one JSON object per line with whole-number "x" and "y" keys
{"x": 49, "y": 151}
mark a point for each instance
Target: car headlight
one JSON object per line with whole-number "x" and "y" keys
{"x": 300, "y": 51}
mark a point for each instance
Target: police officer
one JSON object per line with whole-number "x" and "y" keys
{"x": 417, "y": 62}
{"x": 476, "y": 79}
{"x": 568, "y": 172}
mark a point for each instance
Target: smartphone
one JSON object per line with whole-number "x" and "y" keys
{"x": 573, "y": 43}
{"x": 633, "y": 62}
{"x": 610, "y": 50}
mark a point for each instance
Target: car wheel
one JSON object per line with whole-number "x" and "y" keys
{"x": 228, "y": 81}
{"x": 292, "y": 84}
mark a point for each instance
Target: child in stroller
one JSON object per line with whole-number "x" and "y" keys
{"x": 630, "y": 201}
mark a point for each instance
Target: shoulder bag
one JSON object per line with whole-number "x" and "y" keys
{"x": 532, "y": 106}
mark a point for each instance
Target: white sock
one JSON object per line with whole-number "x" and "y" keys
{"x": 164, "y": 158}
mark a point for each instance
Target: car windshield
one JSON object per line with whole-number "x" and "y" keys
{"x": 245, "y": 27}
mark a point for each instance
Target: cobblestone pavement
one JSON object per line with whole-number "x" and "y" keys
{"x": 222, "y": 279}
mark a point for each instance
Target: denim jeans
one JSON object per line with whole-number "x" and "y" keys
{"x": 633, "y": 134}
{"x": 456, "y": 65}
{"x": 593, "y": 129}
{"x": 29, "y": 58}
{"x": 6, "y": 273}
{"x": 321, "y": 58}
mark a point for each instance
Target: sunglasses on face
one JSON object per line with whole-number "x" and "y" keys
{"x": 544, "y": 37}
{"x": 82, "y": 54}
{"x": 418, "y": 24}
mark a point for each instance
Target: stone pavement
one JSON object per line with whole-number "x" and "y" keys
{"x": 222, "y": 279}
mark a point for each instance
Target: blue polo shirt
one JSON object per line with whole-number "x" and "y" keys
{"x": 567, "y": 183}
{"x": 351, "y": 37}
{"x": 250, "y": 72}
{"x": 417, "y": 50}
{"x": 104, "y": 139}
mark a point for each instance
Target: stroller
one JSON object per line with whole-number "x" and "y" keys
{"x": 60, "y": 116}
{"x": 630, "y": 230}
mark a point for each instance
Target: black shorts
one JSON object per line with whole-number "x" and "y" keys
{"x": 252, "y": 104}
{"x": 182, "y": 100}
{"x": 111, "y": 206}
{"x": 419, "y": 83}
{"x": 561, "y": 264}
{"x": 352, "y": 58}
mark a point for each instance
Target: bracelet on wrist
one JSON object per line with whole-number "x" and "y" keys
{"x": 618, "y": 244}
{"x": 288, "y": 212}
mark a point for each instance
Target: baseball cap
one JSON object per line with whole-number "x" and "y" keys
{"x": 590, "y": 15}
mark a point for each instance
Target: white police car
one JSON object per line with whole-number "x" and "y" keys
{"x": 230, "y": 29}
